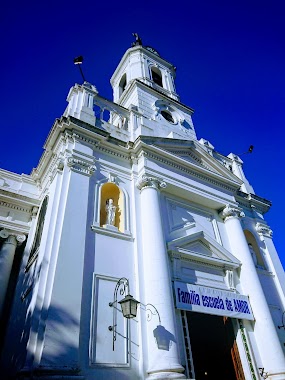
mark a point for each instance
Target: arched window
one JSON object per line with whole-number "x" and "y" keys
{"x": 122, "y": 84}
{"x": 38, "y": 236}
{"x": 254, "y": 250}
{"x": 112, "y": 207}
{"x": 156, "y": 76}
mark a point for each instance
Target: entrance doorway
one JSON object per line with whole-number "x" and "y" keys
{"x": 214, "y": 349}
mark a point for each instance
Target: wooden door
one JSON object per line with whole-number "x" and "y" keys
{"x": 234, "y": 349}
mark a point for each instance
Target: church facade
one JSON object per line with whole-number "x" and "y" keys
{"x": 127, "y": 204}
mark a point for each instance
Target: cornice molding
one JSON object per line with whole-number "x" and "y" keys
{"x": 103, "y": 143}
{"x": 16, "y": 207}
{"x": 112, "y": 152}
{"x": 189, "y": 153}
{"x": 56, "y": 168}
{"x": 171, "y": 148}
{"x": 20, "y": 227}
{"x": 10, "y": 197}
{"x": 57, "y": 160}
{"x": 203, "y": 260}
{"x": 43, "y": 174}
{"x": 63, "y": 156}
{"x": 115, "y": 234}
{"x": 161, "y": 94}
{"x": 20, "y": 178}
{"x": 183, "y": 244}
{"x": 141, "y": 50}
{"x": 252, "y": 201}
{"x": 190, "y": 171}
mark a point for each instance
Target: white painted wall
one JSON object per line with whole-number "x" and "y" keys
{"x": 171, "y": 233}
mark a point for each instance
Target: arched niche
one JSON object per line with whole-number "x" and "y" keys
{"x": 254, "y": 250}
{"x": 108, "y": 191}
{"x": 122, "y": 84}
{"x": 156, "y": 76}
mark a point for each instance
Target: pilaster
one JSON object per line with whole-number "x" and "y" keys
{"x": 59, "y": 291}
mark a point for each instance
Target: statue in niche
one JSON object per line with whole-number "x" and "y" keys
{"x": 253, "y": 254}
{"x": 110, "y": 212}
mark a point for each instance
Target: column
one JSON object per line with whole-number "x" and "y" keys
{"x": 265, "y": 333}
{"x": 157, "y": 288}
{"x": 272, "y": 259}
{"x": 7, "y": 254}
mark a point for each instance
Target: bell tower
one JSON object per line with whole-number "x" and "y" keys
{"x": 144, "y": 82}
{"x": 142, "y": 63}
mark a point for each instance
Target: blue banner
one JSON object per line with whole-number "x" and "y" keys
{"x": 212, "y": 301}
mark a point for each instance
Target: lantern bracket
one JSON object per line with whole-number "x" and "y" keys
{"x": 152, "y": 310}
{"x": 124, "y": 288}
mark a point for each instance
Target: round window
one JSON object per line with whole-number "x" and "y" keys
{"x": 167, "y": 116}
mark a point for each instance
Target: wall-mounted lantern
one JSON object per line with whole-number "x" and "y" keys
{"x": 128, "y": 305}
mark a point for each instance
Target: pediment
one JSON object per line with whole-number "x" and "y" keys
{"x": 200, "y": 247}
{"x": 191, "y": 152}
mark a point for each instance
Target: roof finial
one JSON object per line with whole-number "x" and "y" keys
{"x": 138, "y": 41}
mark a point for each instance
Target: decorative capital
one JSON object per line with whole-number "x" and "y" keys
{"x": 150, "y": 182}
{"x": 231, "y": 212}
{"x": 264, "y": 230}
{"x": 4, "y": 234}
{"x": 12, "y": 237}
{"x": 20, "y": 238}
{"x": 80, "y": 166}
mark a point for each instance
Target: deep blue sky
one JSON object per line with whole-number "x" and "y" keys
{"x": 230, "y": 68}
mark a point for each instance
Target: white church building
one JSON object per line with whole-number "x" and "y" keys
{"x": 127, "y": 204}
